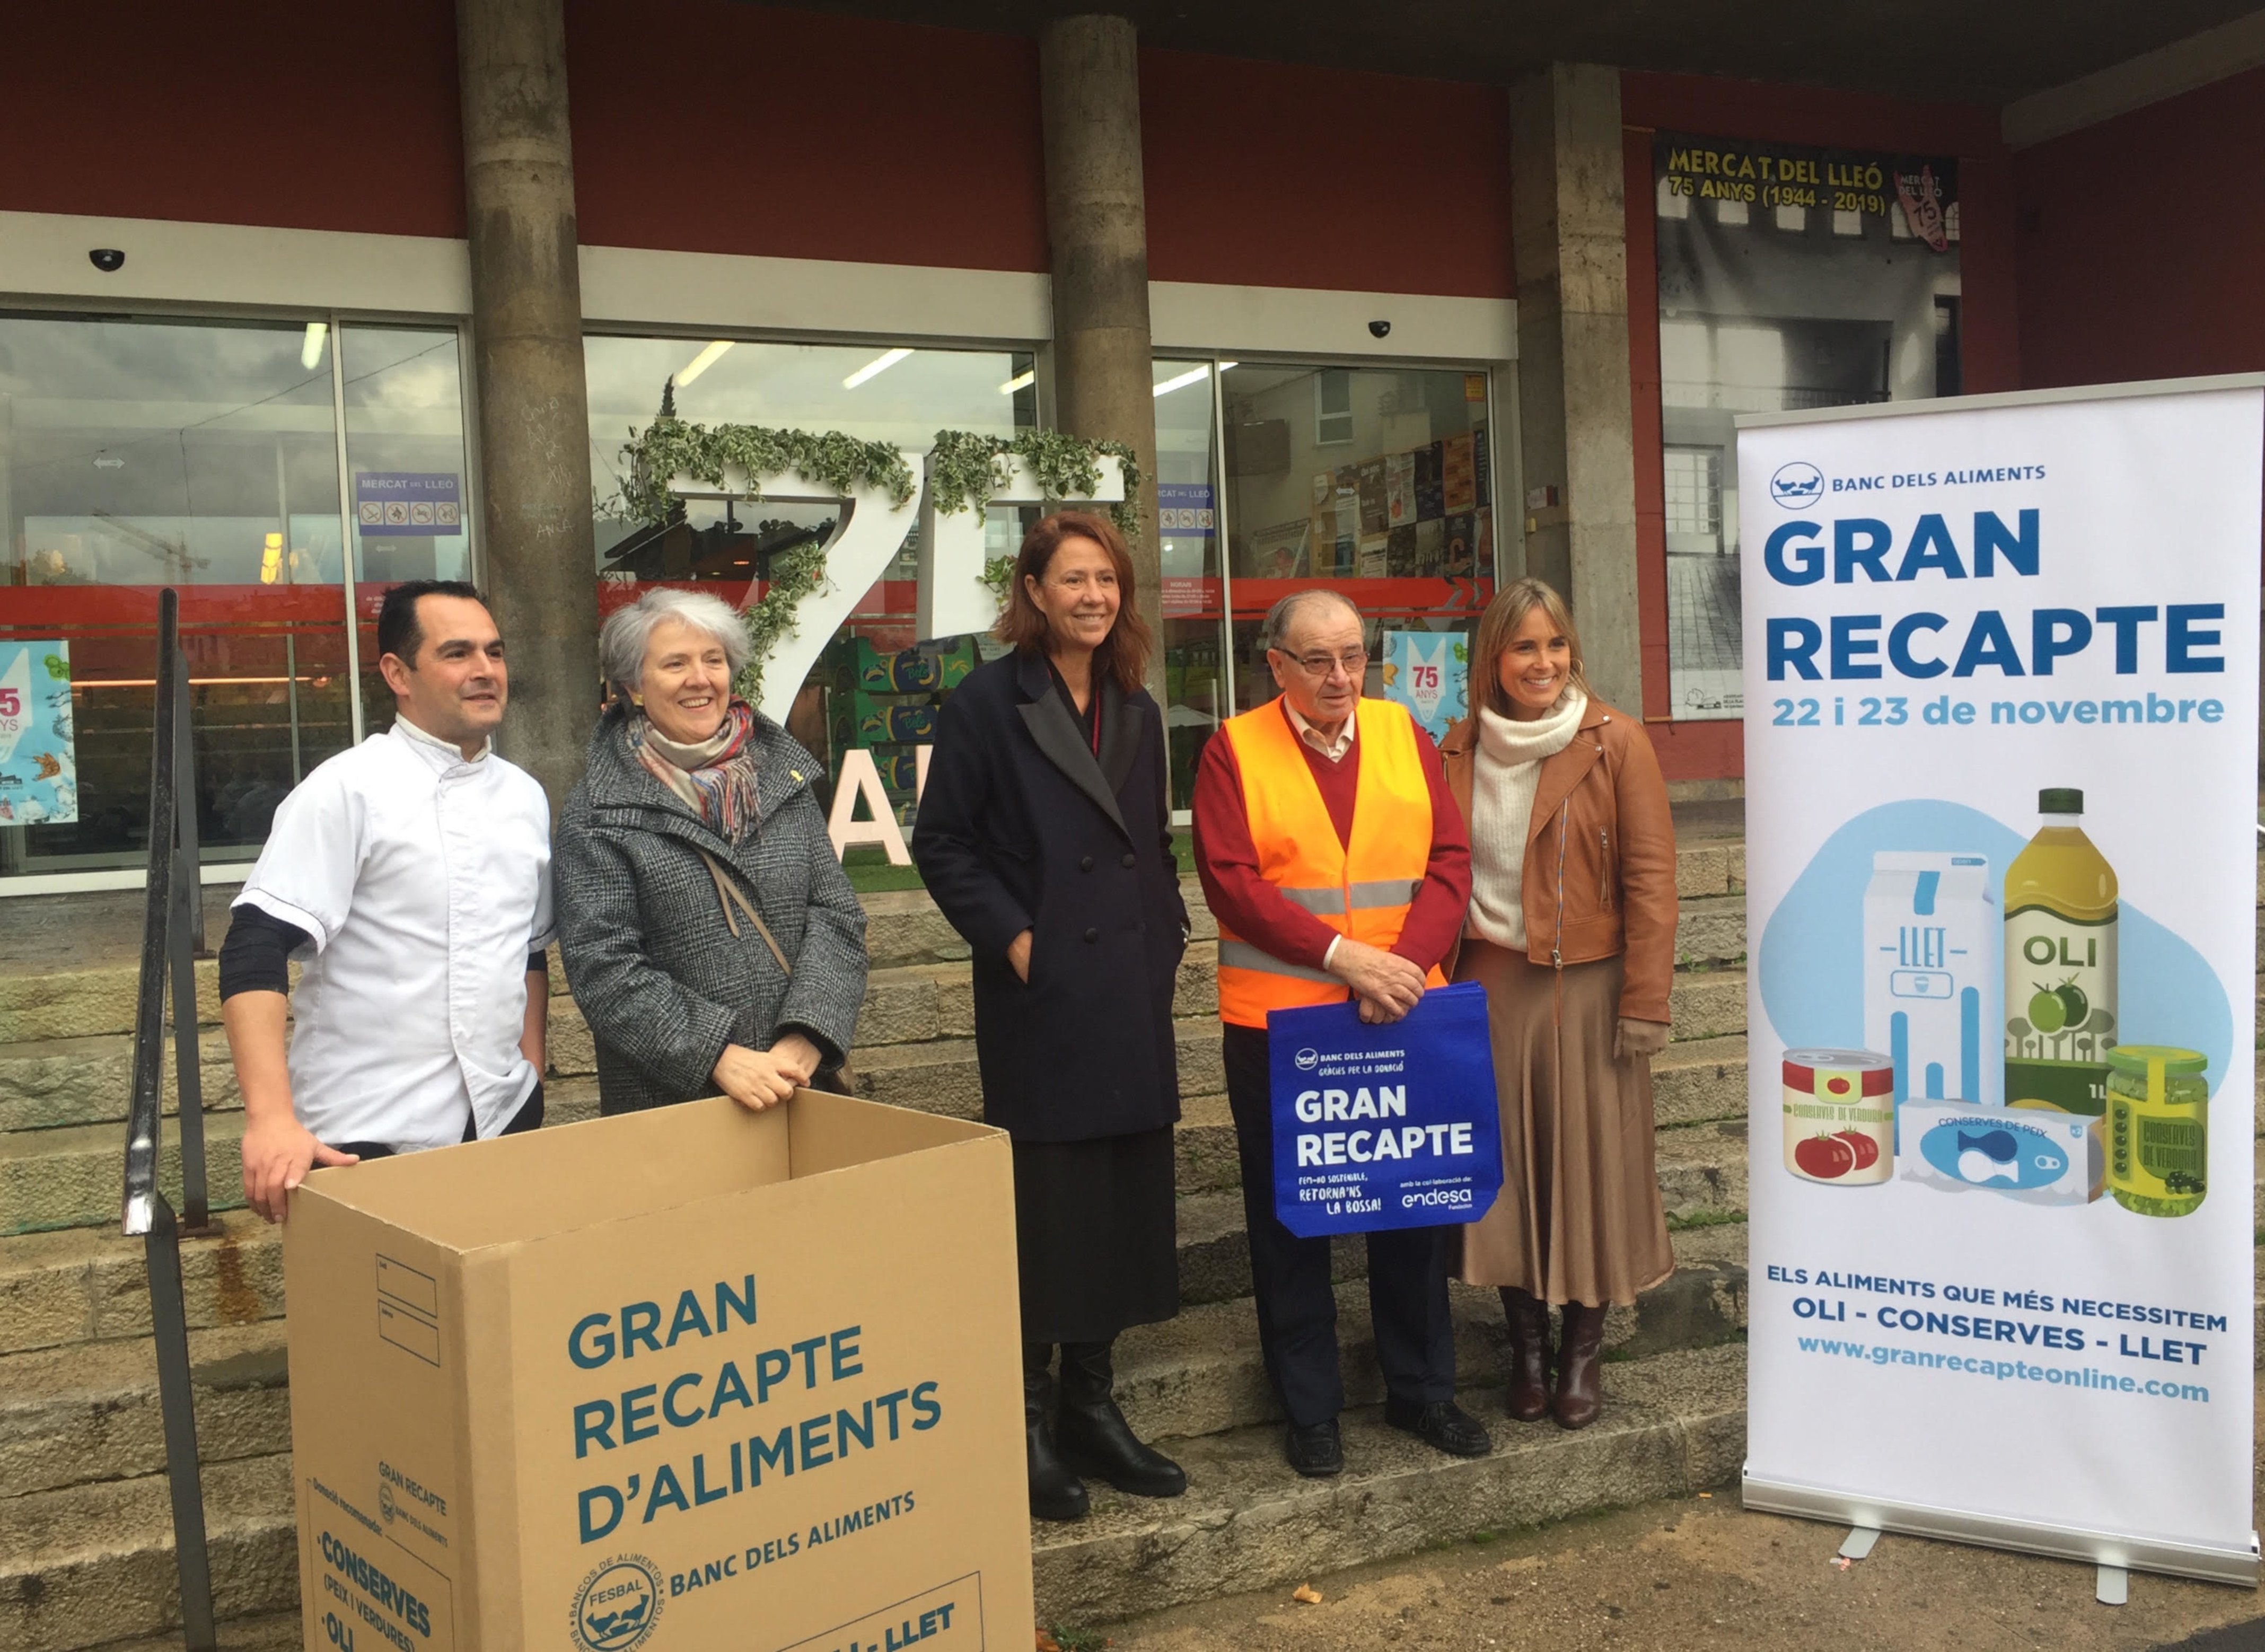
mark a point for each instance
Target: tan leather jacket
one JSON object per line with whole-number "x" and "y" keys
{"x": 1601, "y": 832}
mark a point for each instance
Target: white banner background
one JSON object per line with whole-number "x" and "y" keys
{"x": 2150, "y": 497}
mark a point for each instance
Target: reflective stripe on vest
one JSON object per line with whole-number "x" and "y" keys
{"x": 1361, "y": 889}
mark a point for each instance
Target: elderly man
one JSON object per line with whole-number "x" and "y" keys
{"x": 1337, "y": 866}
{"x": 413, "y": 873}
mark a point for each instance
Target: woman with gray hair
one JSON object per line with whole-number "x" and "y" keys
{"x": 710, "y": 937}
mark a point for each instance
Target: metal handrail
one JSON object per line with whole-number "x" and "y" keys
{"x": 171, "y": 926}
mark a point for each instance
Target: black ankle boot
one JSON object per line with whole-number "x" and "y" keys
{"x": 1093, "y": 1432}
{"x": 1056, "y": 1494}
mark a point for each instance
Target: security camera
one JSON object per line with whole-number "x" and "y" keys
{"x": 1378, "y": 328}
{"x": 109, "y": 260}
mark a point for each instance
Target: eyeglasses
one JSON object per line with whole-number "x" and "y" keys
{"x": 1355, "y": 663}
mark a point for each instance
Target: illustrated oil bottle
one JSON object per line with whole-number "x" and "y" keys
{"x": 2060, "y": 963}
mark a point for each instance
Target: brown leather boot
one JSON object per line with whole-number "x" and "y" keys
{"x": 1528, "y": 1319}
{"x": 1580, "y": 1352}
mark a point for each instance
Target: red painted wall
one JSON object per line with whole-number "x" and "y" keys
{"x": 334, "y": 116}
{"x": 1990, "y": 332}
{"x": 2141, "y": 240}
{"x": 1282, "y": 175}
{"x": 712, "y": 125}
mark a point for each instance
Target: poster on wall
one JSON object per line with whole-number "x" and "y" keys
{"x": 39, "y": 759}
{"x": 405, "y": 503}
{"x": 1789, "y": 278}
{"x": 2001, "y": 666}
{"x": 1426, "y": 672}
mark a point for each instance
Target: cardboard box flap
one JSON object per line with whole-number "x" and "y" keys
{"x": 513, "y": 1188}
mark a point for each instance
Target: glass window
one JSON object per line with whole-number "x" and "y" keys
{"x": 899, "y": 395}
{"x": 139, "y": 453}
{"x": 1377, "y": 481}
{"x": 1843, "y": 292}
{"x": 1193, "y": 595}
{"x": 410, "y": 504}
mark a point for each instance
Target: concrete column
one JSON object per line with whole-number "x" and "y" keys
{"x": 1097, "y": 226}
{"x": 1568, "y": 232}
{"x": 541, "y": 571}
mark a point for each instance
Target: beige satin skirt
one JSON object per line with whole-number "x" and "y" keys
{"x": 1579, "y": 1219}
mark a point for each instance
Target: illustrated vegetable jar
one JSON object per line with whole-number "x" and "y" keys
{"x": 2158, "y": 1129}
{"x": 1839, "y": 1117}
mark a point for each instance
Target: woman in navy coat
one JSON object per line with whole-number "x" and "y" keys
{"x": 1044, "y": 837}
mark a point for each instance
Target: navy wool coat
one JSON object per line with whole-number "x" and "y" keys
{"x": 1022, "y": 826}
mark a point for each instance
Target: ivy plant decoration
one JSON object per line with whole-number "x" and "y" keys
{"x": 966, "y": 468}
{"x": 670, "y": 447}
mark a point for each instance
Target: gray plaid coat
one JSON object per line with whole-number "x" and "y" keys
{"x": 654, "y": 966}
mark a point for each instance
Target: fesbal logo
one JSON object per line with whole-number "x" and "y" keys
{"x": 1796, "y": 485}
{"x": 617, "y": 1605}
{"x": 1307, "y": 1059}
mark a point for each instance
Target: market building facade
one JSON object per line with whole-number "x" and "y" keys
{"x": 295, "y": 306}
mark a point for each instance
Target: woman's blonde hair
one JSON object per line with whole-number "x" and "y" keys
{"x": 1500, "y": 622}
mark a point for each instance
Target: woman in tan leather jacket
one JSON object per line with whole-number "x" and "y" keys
{"x": 1571, "y": 929}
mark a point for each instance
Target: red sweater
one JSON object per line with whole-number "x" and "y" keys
{"x": 1244, "y": 902}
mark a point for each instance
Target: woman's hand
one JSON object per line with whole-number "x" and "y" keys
{"x": 1018, "y": 953}
{"x": 801, "y": 1052}
{"x": 756, "y": 1078}
{"x": 1638, "y": 1040}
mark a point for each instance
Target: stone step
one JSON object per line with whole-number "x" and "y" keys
{"x": 88, "y": 1412}
{"x": 1200, "y": 1372}
{"x": 1711, "y": 929}
{"x": 1695, "y": 1081}
{"x": 91, "y": 1564}
{"x": 1702, "y": 1177}
{"x": 940, "y": 1076}
{"x": 74, "y": 1176}
{"x": 90, "y": 1284}
{"x": 1672, "y": 1426}
{"x": 52, "y": 1082}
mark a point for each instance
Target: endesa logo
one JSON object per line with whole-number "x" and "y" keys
{"x": 1796, "y": 485}
{"x": 1307, "y": 1059}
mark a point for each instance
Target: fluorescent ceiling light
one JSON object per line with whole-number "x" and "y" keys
{"x": 1194, "y": 376}
{"x": 701, "y": 362}
{"x": 879, "y": 364}
{"x": 1019, "y": 381}
{"x": 310, "y": 350}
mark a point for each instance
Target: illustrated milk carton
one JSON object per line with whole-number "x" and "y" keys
{"x": 1932, "y": 939}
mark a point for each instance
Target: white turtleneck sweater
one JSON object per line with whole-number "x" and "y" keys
{"x": 1505, "y": 770}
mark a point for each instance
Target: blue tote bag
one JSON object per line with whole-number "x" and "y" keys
{"x": 1384, "y": 1126}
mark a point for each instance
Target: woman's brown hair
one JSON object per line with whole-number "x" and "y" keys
{"x": 1500, "y": 622}
{"x": 1123, "y": 652}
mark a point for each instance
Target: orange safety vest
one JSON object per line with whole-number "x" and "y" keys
{"x": 1362, "y": 889}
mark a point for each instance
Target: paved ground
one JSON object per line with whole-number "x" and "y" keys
{"x": 1700, "y": 1573}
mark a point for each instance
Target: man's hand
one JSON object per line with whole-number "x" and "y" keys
{"x": 1018, "y": 954}
{"x": 278, "y": 1152}
{"x": 1387, "y": 985}
{"x": 759, "y": 1078}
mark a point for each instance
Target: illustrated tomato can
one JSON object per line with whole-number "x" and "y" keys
{"x": 1839, "y": 1117}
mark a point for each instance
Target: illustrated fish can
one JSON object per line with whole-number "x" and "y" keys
{"x": 1839, "y": 1117}
{"x": 2037, "y": 1156}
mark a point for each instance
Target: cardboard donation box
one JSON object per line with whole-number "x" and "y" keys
{"x": 687, "y": 1378}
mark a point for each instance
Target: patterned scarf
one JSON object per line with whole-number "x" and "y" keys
{"x": 715, "y": 778}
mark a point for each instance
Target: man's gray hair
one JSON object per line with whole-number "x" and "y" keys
{"x": 622, "y": 642}
{"x": 1278, "y": 617}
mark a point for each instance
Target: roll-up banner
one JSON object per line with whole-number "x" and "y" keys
{"x": 2001, "y": 669}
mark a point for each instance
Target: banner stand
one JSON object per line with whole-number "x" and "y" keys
{"x": 2000, "y": 662}
{"x": 1953, "y": 1525}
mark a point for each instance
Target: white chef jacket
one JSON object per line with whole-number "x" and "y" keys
{"x": 424, "y": 881}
